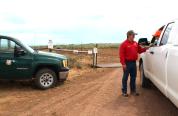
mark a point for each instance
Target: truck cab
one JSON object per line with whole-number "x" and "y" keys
{"x": 159, "y": 63}
{"x": 20, "y": 62}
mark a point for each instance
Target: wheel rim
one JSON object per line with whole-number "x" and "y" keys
{"x": 46, "y": 79}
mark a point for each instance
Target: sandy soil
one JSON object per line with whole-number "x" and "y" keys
{"x": 105, "y": 55}
{"x": 108, "y": 55}
{"x": 97, "y": 93}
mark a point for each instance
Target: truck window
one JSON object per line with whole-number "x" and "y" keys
{"x": 165, "y": 36}
{"x": 6, "y": 46}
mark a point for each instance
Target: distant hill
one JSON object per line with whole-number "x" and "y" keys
{"x": 88, "y": 46}
{"x": 82, "y": 46}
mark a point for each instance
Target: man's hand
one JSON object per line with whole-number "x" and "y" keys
{"x": 151, "y": 45}
{"x": 124, "y": 67}
{"x": 147, "y": 47}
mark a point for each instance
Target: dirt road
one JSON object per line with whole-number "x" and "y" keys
{"x": 97, "y": 94}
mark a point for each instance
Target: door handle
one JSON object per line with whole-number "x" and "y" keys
{"x": 151, "y": 52}
{"x": 9, "y": 62}
{"x": 166, "y": 54}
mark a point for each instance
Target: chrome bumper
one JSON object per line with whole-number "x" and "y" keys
{"x": 63, "y": 74}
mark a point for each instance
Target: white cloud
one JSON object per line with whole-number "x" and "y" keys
{"x": 27, "y": 19}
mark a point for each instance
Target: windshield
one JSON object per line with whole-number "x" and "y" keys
{"x": 28, "y": 47}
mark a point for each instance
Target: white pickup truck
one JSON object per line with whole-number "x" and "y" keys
{"x": 159, "y": 64}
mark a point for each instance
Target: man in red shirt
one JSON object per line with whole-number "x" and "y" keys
{"x": 128, "y": 53}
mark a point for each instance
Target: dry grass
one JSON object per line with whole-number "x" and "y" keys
{"x": 82, "y": 63}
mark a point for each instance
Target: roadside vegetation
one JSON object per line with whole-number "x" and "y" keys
{"x": 88, "y": 46}
{"x": 81, "y": 46}
{"x": 84, "y": 61}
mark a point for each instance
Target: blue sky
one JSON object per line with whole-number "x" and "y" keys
{"x": 82, "y": 21}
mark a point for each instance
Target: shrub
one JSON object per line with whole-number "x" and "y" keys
{"x": 73, "y": 63}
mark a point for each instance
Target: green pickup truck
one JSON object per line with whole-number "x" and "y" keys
{"x": 20, "y": 62}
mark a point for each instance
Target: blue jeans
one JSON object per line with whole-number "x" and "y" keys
{"x": 131, "y": 69}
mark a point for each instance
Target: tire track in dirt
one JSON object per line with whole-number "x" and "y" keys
{"x": 88, "y": 102}
{"x": 84, "y": 91}
{"x": 101, "y": 96}
{"x": 96, "y": 94}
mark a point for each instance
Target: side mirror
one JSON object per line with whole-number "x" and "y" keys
{"x": 19, "y": 52}
{"x": 143, "y": 42}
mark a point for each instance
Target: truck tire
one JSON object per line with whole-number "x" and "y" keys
{"x": 145, "y": 82}
{"x": 45, "y": 78}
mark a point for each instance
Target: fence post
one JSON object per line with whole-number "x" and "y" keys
{"x": 50, "y": 45}
{"x": 93, "y": 59}
{"x": 95, "y": 50}
{"x": 97, "y": 54}
{"x": 50, "y": 50}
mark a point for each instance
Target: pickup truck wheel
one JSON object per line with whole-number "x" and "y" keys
{"x": 145, "y": 83}
{"x": 45, "y": 78}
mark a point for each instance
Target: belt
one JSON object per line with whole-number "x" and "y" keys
{"x": 130, "y": 61}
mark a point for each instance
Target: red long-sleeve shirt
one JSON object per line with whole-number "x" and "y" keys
{"x": 129, "y": 51}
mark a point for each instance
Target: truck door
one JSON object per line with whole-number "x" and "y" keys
{"x": 6, "y": 58}
{"x": 159, "y": 60}
{"x": 147, "y": 65}
{"x": 172, "y": 73}
{"x": 172, "y": 65}
{"x": 13, "y": 66}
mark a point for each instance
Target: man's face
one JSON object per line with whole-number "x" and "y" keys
{"x": 131, "y": 37}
